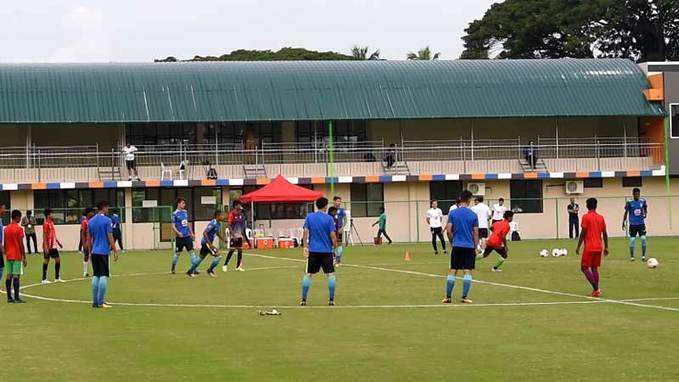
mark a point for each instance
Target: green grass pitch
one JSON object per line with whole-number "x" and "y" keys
{"x": 530, "y": 322}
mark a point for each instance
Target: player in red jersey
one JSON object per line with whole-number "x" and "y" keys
{"x": 49, "y": 247}
{"x": 16, "y": 256}
{"x": 498, "y": 240}
{"x": 593, "y": 230}
{"x": 86, "y": 240}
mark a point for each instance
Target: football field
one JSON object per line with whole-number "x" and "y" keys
{"x": 531, "y": 322}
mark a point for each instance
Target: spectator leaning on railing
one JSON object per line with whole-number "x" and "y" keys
{"x": 531, "y": 154}
{"x": 130, "y": 161}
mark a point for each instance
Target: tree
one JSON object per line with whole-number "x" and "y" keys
{"x": 423, "y": 54}
{"x": 284, "y": 54}
{"x": 637, "y": 29}
{"x": 644, "y": 30}
{"x": 361, "y": 53}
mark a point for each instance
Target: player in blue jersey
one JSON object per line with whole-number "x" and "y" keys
{"x": 207, "y": 246}
{"x": 117, "y": 232}
{"x": 182, "y": 230}
{"x": 319, "y": 233}
{"x": 102, "y": 244}
{"x": 340, "y": 221}
{"x": 636, "y": 210}
{"x": 463, "y": 234}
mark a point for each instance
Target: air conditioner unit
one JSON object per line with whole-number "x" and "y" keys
{"x": 575, "y": 187}
{"x": 477, "y": 188}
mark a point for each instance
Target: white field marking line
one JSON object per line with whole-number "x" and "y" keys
{"x": 509, "y": 261}
{"x": 415, "y": 306}
{"x": 589, "y": 301}
{"x": 141, "y": 274}
{"x": 629, "y": 303}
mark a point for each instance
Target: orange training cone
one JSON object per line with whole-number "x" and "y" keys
{"x": 407, "y": 256}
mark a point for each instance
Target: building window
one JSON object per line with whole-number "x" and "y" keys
{"x": 445, "y": 192}
{"x": 4, "y": 198}
{"x": 203, "y": 206}
{"x": 68, "y": 205}
{"x": 526, "y": 196}
{"x": 345, "y": 132}
{"x": 593, "y": 183}
{"x": 228, "y": 133}
{"x": 674, "y": 120}
{"x": 366, "y": 199}
{"x": 632, "y": 181}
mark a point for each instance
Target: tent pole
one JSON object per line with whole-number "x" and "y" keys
{"x": 252, "y": 216}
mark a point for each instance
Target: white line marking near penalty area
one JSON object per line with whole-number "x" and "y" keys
{"x": 590, "y": 300}
{"x": 567, "y": 294}
{"x": 400, "y": 306}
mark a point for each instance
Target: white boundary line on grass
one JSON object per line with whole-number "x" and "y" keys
{"x": 567, "y": 294}
{"x": 590, "y": 300}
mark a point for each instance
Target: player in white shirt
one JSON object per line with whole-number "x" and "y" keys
{"x": 435, "y": 221}
{"x": 130, "y": 161}
{"x": 499, "y": 209}
{"x": 483, "y": 213}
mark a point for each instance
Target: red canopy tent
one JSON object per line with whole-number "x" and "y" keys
{"x": 281, "y": 191}
{"x": 278, "y": 191}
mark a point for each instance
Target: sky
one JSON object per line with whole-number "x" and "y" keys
{"x": 141, "y": 30}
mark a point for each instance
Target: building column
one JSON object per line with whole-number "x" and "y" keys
{"x": 128, "y": 225}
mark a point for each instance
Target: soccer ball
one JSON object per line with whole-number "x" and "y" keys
{"x": 652, "y": 263}
{"x": 556, "y": 252}
{"x": 544, "y": 253}
{"x": 564, "y": 252}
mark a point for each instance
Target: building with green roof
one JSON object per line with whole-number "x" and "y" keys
{"x": 377, "y": 133}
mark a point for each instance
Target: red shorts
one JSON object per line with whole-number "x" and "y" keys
{"x": 591, "y": 258}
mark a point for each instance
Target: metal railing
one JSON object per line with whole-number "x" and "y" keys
{"x": 61, "y": 158}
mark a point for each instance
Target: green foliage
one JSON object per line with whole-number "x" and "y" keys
{"x": 360, "y": 53}
{"x": 637, "y": 29}
{"x": 284, "y": 54}
{"x": 423, "y": 54}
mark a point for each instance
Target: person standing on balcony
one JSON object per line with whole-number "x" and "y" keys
{"x": 390, "y": 156}
{"x": 28, "y": 223}
{"x": 573, "y": 219}
{"x": 130, "y": 161}
{"x": 382, "y": 221}
{"x": 637, "y": 210}
{"x": 531, "y": 155}
{"x": 435, "y": 221}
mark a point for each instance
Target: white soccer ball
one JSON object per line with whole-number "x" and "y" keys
{"x": 564, "y": 252}
{"x": 652, "y": 263}
{"x": 544, "y": 253}
{"x": 556, "y": 252}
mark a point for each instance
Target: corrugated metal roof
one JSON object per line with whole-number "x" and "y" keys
{"x": 306, "y": 90}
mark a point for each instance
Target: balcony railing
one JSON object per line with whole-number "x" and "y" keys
{"x": 74, "y": 163}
